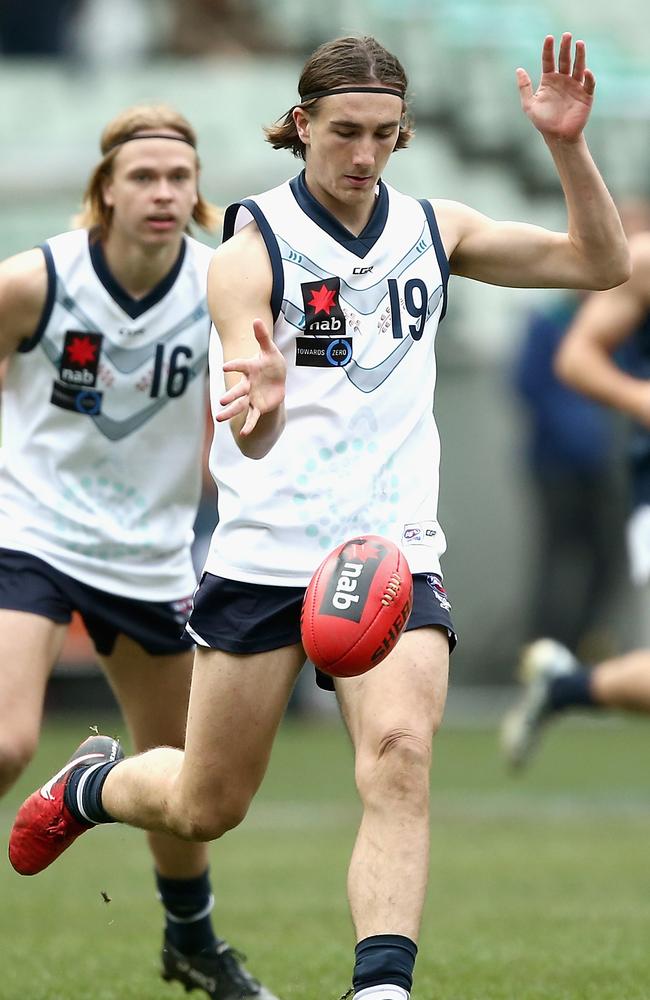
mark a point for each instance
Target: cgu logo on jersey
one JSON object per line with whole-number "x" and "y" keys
{"x": 324, "y": 343}
{"x": 75, "y": 387}
{"x": 420, "y": 533}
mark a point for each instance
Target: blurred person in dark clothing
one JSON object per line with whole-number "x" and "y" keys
{"x": 571, "y": 458}
{"x": 604, "y": 356}
{"x": 36, "y": 27}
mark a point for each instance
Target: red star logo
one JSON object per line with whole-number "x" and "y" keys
{"x": 323, "y": 300}
{"x": 81, "y": 350}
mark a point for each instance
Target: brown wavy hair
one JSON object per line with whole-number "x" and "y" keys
{"x": 345, "y": 61}
{"x": 95, "y": 214}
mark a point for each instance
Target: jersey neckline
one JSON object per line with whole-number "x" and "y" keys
{"x": 359, "y": 245}
{"x": 132, "y": 307}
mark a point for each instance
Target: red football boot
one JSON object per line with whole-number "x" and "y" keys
{"x": 44, "y": 826}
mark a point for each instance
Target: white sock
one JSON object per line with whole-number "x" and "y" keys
{"x": 382, "y": 993}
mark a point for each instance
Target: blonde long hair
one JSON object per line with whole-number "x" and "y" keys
{"x": 95, "y": 214}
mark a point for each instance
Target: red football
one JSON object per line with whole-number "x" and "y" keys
{"x": 356, "y": 606}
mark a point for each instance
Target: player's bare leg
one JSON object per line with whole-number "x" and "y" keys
{"x": 153, "y": 693}
{"x": 205, "y": 791}
{"x": 197, "y": 794}
{"x": 623, "y": 682}
{"x": 555, "y": 682}
{"x": 29, "y": 646}
{"x": 392, "y": 713}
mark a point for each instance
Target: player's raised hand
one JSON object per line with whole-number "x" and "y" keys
{"x": 261, "y": 387}
{"x": 560, "y": 106}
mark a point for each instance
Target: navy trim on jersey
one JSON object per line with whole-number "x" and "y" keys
{"x": 30, "y": 342}
{"x": 443, "y": 262}
{"x": 360, "y": 245}
{"x": 273, "y": 250}
{"x": 229, "y": 219}
{"x": 132, "y": 307}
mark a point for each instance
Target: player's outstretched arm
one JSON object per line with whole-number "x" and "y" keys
{"x": 239, "y": 294}
{"x": 593, "y": 252}
{"x": 607, "y": 319}
{"x": 23, "y": 292}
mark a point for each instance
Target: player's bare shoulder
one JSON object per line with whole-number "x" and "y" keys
{"x": 454, "y": 220}
{"x": 245, "y": 249}
{"x": 23, "y": 294}
{"x": 241, "y": 267}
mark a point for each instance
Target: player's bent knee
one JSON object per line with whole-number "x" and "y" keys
{"x": 397, "y": 769}
{"x": 204, "y": 825}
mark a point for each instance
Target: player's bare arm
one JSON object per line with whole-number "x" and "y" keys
{"x": 606, "y": 320}
{"x": 593, "y": 252}
{"x": 23, "y": 292}
{"x": 239, "y": 295}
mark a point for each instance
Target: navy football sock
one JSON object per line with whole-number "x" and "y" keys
{"x": 83, "y": 793}
{"x": 384, "y": 959}
{"x": 188, "y": 904}
{"x": 572, "y": 691}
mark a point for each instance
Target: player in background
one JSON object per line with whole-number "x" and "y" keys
{"x": 555, "y": 681}
{"x": 106, "y": 332}
{"x": 326, "y": 296}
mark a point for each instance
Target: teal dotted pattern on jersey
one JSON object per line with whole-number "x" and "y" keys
{"x": 320, "y": 509}
{"x": 128, "y": 509}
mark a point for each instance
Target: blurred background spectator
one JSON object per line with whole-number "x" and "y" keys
{"x": 574, "y": 460}
{"x": 575, "y": 454}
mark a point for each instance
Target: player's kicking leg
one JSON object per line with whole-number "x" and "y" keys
{"x": 153, "y": 693}
{"x": 197, "y": 795}
{"x": 48, "y": 822}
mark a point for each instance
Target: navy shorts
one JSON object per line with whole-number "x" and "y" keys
{"x": 27, "y": 583}
{"x": 255, "y": 618}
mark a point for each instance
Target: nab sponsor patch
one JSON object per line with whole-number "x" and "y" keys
{"x": 75, "y": 388}
{"x": 80, "y": 358}
{"x": 88, "y": 401}
{"x": 323, "y": 352}
{"x": 324, "y": 343}
{"x": 323, "y": 313}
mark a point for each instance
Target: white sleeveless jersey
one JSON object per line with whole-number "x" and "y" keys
{"x": 355, "y": 318}
{"x": 102, "y": 424}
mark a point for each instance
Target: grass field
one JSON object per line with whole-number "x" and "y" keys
{"x": 539, "y": 884}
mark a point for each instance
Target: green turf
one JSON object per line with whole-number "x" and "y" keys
{"x": 539, "y": 884}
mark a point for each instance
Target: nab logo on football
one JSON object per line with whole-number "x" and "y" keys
{"x": 356, "y": 606}
{"x": 323, "y": 314}
{"x": 344, "y": 596}
{"x": 350, "y": 584}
